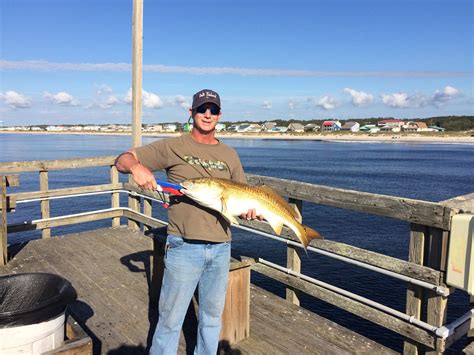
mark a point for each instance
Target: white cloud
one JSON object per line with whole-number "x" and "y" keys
{"x": 61, "y": 98}
{"x": 447, "y": 94}
{"x": 15, "y": 100}
{"x": 149, "y": 99}
{"x": 327, "y": 103}
{"x": 110, "y": 101}
{"x": 103, "y": 89}
{"x": 180, "y": 100}
{"x": 359, "y": 98}
{"x": 405, "y": 100}
{"x": 291, "y": 104}
{"x": 126, "y": 67}
{"x": 267, "y": 105}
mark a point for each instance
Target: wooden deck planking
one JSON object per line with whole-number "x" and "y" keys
{"x": 110, "y": 269}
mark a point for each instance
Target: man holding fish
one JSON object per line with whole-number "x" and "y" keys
{"x": 198, "y": 242}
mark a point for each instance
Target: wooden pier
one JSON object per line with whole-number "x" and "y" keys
{"x": 113, "y": 269}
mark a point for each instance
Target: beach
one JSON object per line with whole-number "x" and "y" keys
{"x": 429, "y": 138}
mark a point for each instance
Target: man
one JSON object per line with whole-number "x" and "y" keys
{"x": 198, "y": 242}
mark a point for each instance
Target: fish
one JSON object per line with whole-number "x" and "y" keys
{"x": 233, "y": 199}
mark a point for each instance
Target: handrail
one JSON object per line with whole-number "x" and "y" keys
{"x": 430, "y": 223}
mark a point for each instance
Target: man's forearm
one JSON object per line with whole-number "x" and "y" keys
{"x": 125, "y": 162}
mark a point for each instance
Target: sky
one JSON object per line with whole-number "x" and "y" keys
{"x": 69, "y": 61}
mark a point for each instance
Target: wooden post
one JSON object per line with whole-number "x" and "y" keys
{"x": 115, "y": 202}
{"x": 3, "y": 226}
{"x": 43, "y": 175}
{"x": 293, "y": 260}
{"x": 137, "y": 60}
{"x": 236, "y": 314}
{"x": 147, "y": 210}
{"x": 436, "y": 259}
{"x": 414, "y": 293}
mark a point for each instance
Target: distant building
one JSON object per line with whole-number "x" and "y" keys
{"x": 268, "y": 126}
{"x": 390, "y": 123}
{"x": 153, "y": 128}
{"x": 220, "y": 127}
{"x": 369, "y": 128}
{"x": 329, "y": 126}
{"x": 351, "y": 126}
{"x": 311, "y": 127}
{"x": 437, "y": 128}
{"x": 416, "y": 127}
{"x": 279, "y": 129}
{"x": 169, "y": 127}
{"x": 295, "y": 127}
{"x": 248, "y": 127}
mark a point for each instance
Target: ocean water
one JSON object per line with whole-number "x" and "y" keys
{"x": 432, "y": 172}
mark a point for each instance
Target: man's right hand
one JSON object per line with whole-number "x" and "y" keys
{"x": 143, "y": 177}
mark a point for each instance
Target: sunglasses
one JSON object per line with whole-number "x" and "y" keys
{"x": 213, "y": 108}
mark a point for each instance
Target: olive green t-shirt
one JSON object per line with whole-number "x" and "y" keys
{"x": 184, "y": 158}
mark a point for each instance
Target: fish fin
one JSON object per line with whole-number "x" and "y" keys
{"x": 226, "y": 214}
{"x": 292, "y": 209}
{"x": 276, "y": 224}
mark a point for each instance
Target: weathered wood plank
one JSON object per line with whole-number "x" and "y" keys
{"x": 352, "y": 306}
{"x": 402, "y": 267}
{"x": 21, "y": 196}
{"x": 436, "y": 304}
{"x": 414, "y": 293}
{"x": 13, "y": 180}
{"x": 464, "y": 204}
{"x": 405, "y": 209}
{"x": 115, "y": 198}
{"x": 4, "y": 223}
{"x": 38, "y": 165}
{"x": 43, "y": 177}
{"x": 10, "y": 203}
{"x": 134, "y": 205}
{"x": 293, "y": 260}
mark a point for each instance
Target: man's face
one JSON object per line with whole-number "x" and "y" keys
{"x": 206, "y": 117}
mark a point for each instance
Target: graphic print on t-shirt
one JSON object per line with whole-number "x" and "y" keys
{"x": 207, "y": 164}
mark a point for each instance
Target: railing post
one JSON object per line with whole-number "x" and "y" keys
{"x": 3, "y": 227}
{"x": 293, "y": 260}
{"x": 134, "y": 205}
{"x": 115, "y": 203}
{"x": 147, "y": 211}
{"x": 414, "y": 293}
{"x": 43, "y": 176}
{"x": 436, "y": 259}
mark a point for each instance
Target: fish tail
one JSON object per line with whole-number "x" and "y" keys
{"x": 307, "y": 235}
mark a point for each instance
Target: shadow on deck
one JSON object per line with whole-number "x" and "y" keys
{"x": 110, "y": 269}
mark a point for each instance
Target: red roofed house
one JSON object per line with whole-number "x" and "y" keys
{"x": 329, "y": 126}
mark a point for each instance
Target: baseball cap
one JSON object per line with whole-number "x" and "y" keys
{"x": 205, "y": 96}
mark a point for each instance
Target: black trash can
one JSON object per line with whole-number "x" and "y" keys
{"x": 30, "y": 304}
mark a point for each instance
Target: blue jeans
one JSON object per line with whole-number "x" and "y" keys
{"x": 188, "y": 264}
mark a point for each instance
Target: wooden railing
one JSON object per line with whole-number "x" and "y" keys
{"x": 430, "y": 225}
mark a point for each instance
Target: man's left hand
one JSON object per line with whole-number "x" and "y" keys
{"x": 251, "y": 214}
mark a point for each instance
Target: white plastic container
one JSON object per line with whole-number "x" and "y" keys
{"x": 34, "y": 338}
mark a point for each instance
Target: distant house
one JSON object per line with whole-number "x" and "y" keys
{"x": 311, "y": 127}
{"x": 390, "y": 123}
{"x": 267, "y": 126}
{"x": 295, "y": 127}
{"x": 389, "y": 129}
{"x": 153, "y": 128}
{"x": 279, "y": 129}
{"x": 369, "y": 128}
{"x": 169, "y": 127}
{"x": 248, "y": 127}
{"x": 55, "y": 128}
{"x": 329, "y": 126}
{"x": 220, "y": 127}
{"x": 437, "y": 128}
{"x": 351, "y": 126}
{"x": 412, "y": 126}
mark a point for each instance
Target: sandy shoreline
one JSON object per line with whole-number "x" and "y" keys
{"x": 439, "y": 138}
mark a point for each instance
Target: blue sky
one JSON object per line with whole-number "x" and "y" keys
{"x": 69, "y": 61}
